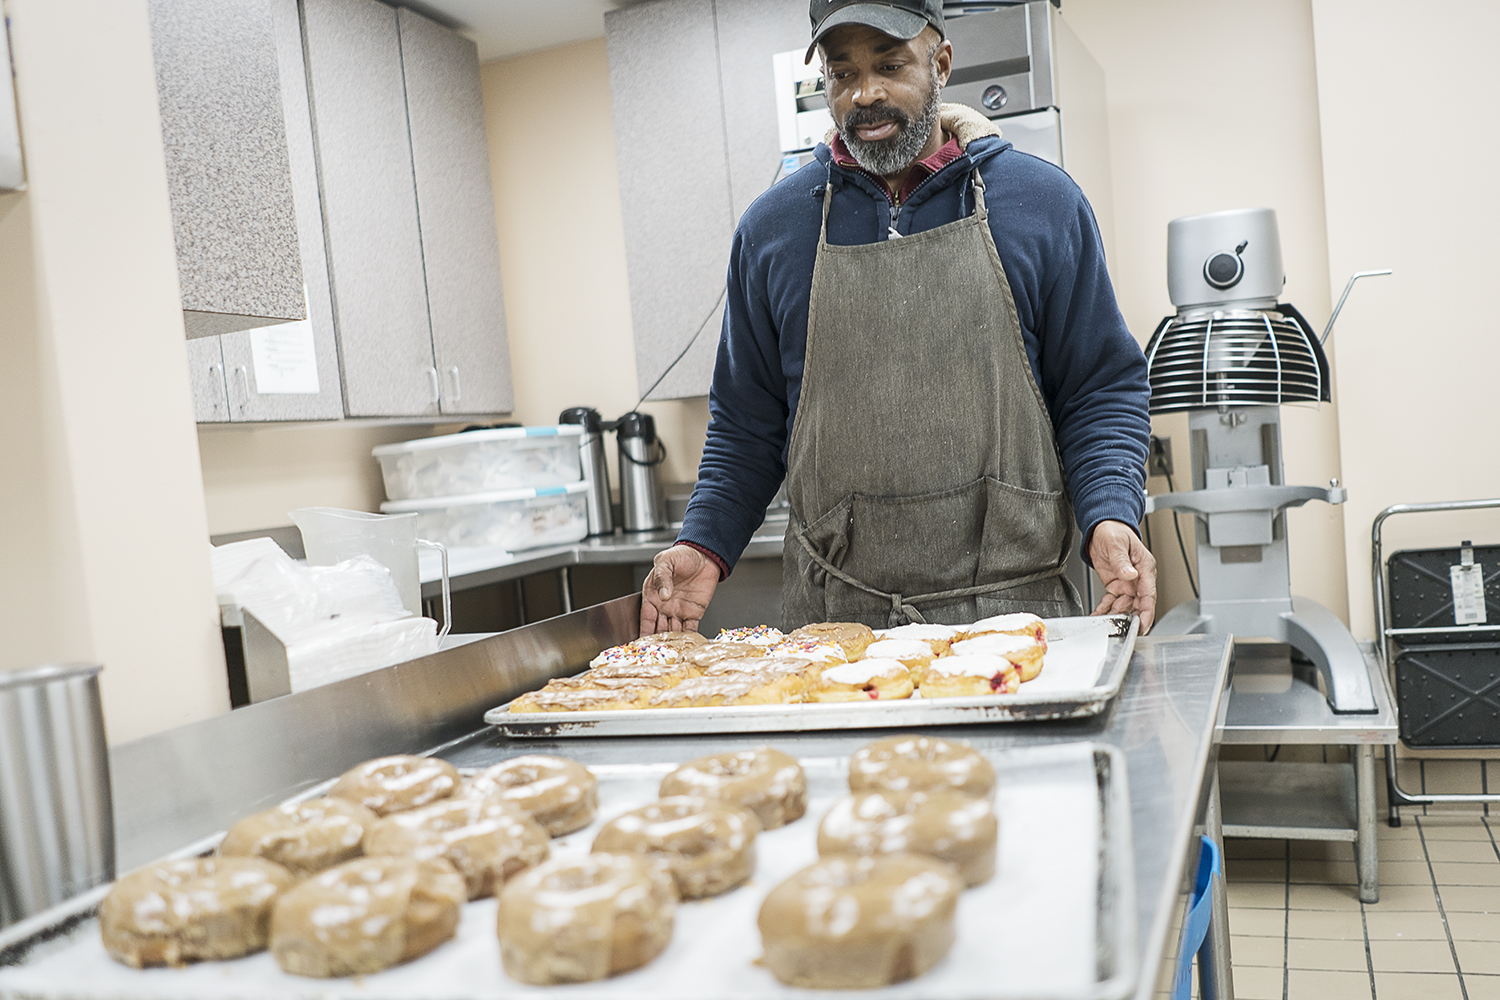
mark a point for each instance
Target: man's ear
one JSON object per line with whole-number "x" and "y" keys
{"x": 943, "y": 60}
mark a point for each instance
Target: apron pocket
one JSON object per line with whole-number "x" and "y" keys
{"x": 1026, "y": 531}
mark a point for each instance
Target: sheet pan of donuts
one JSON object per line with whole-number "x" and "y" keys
{"x": 918, "y": 867}
{"x": 835, "y": 675}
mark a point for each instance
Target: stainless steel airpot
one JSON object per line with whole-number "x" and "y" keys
{"x": 643, "y": 505}
{"x": 595, "y": 472}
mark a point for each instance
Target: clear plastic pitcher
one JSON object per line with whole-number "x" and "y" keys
{"x": 331, "y": 535}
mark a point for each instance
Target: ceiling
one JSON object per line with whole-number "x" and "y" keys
{"x": 504, "y": 28}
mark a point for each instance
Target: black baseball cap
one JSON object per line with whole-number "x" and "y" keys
{"x": 902, "y": 19}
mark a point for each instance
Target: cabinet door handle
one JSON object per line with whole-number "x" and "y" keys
{"x": 244, "y": 374}
{"x": 437, "y": 393}
{"x": 458, "y": 392}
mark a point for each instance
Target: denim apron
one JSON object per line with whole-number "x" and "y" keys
{"x": 923, "y": 472}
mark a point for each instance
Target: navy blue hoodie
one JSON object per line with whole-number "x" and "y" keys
{"x": 1090, "y": 370}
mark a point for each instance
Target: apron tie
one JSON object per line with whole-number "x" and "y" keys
{"x": 902, "y": 606}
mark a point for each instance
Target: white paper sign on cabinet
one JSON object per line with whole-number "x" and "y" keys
{"x": 285, "y": 358}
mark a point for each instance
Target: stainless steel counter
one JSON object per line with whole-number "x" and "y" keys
{"x": 478, "y": 567}
{"x": 182, "y": 786}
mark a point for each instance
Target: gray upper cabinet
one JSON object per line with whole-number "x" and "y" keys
{"x": 456, "y": 209}
{"x": 291, "y": 372}
{"x": 227, "y": 169}
{"x": 708, "y": 63}
{"x": 353, "y": 50}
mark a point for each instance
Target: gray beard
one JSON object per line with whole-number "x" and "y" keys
{"x": 887, "y": 157}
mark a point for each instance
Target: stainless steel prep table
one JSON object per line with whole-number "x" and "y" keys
{"x": 182, "y": 786}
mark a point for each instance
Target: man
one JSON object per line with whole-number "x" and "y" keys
{"x": 921, "y": 337}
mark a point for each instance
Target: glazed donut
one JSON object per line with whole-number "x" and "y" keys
{"x": 756, "y": 635}
{"x": 767, "y": 782}
{"x": 974, "y": 674}
{"x": 717, "y": 652}
{"x": 936, "y": 823}
{"x": 558, "y": 793}
{"x": 902, "y": 763}
{"x": 366, "y": 915}
{"x": 683, "y": 642}
{"x": 645, "y": 673}
{"x": 592, "y": 699}
{"x": 1020, "y": 623}
{"x": 578, "y": 920}
{"x": 198, "y": 909}
{"x": 937, "y": 636}
{"x": 1022, "y": 650}
{"x": 785, "y": 677}
{"x": 487, "y": 841}
{"x": 303, "y": 837}
{"x": 915, "y": 653}
{"x": 860, "y": 922}
{"x": 852, "y": 636}
{"x": 753, "y": 688}
{"x": 708, "y": 846}
{"x": 391, "y": 784}
{"x": 864, "y": 680}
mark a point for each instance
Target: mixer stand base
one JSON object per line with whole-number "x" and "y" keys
{"x": 1309, "y": 628}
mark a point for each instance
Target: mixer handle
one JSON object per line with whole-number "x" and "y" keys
{"x": 1244, "y": 498}
{"x": 1328, "y": 330}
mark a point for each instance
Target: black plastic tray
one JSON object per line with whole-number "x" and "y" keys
{"x": 1422, "y": 592}
{"x": 1449, "y": 695}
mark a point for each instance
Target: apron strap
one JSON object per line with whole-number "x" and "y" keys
{"x": 901, "y": 605}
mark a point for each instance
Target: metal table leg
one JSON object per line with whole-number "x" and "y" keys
{"x": 1365, "y": 860}
{"x": 565, "y": 589}
{"x": 521, "y": 599}
{"x": 1215, "y": 972}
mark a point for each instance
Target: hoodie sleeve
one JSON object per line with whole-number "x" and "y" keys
{"x": 1093, "y": 374}
{"x": 743, "y": 455}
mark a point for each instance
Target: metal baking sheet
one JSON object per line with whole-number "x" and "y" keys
{"x": 1086, "y": 662}
{"x": 1057, "y": 922}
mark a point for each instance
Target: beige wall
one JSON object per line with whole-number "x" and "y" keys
{"x": 1411, "y": 184}
{"x": 253, "y": 475}
{"x": 562, "y": 246}
{"x": 1214, "y": 105}
{"x": 102, "y": 525}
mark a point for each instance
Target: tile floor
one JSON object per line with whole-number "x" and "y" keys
{"x": 1298, "y": 929}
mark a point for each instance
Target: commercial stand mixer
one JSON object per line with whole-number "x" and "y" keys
{"x": 1229, "y": 358}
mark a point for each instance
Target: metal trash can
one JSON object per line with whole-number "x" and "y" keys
{"x": 57, "y": 834}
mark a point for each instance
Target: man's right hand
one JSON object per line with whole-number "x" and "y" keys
{"x": 677, "y": 590}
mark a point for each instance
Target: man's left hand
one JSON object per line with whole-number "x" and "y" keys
{"x": 1128, "y": 570}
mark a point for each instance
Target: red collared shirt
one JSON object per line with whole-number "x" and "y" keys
{"x": 920, "y": 171}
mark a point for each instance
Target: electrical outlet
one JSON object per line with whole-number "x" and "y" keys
{"x": 1159, "y": 461}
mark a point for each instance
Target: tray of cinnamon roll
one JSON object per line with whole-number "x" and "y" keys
{"x": 835, "y": 675}
{"x": 916, "y": 867}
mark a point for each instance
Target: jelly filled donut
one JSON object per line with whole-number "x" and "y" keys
{"x": 905, "y": 763}
{"x": 578, "y": 920}
{"x": 303, "y": 837}
{"x": 863, "y": 680}
{"x": 558, "y": 793}
{"x": 707, "y": 845}
{"x": 366, "y": 915}
{"x": 860, "y": 922}
{"x": 937, "y": 823}
{"x": 917, "y": 654}
{"x": 197, "y": 909}
{"x": 767, "y": 782}
{"x": 1022, "y": 650}
{"x": 391, "y": 784}
{"x": 966, "y": 676}
{"x": 487, "y": 841}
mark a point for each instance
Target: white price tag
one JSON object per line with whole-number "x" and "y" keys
{"x": 1468, "y": 593}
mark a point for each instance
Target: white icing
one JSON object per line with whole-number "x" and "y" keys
{"x": 942, "y": 632}
{"x": 864, "y": 671}
{"x": 973, "y": 665}
{"x": 899, "y": 649}
{"x": 1000, "y": 645}
{"x": 1004, "y": 623}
